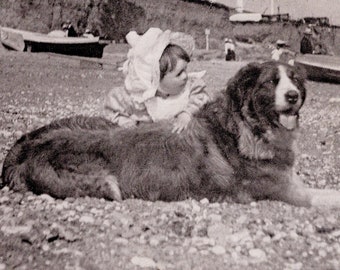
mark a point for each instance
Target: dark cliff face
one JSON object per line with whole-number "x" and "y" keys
{"x": 109, "y": 18}
{"x": 114, "y": 18}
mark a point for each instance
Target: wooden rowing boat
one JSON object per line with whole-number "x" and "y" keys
{"x": 245, "y": 17}
{"x": 22, "y": 40}
{"x": 324, "y": 68}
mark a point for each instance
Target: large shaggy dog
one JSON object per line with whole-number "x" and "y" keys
{"x": 241, "y": 146}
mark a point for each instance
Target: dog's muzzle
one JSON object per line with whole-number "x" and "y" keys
{"x": 292, "y": 97}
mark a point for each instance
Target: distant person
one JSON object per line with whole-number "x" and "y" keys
{"x": 306, "y": 44}
{"x": 157, "y": 85}
{"x": 278, "y": 51}
{"x": 68, "y": 28}
{"x": 229, "y": 50}
{"x": 319, "y": 49}
{"x": 88, "y": 33}
{"x": 281, "y": 53}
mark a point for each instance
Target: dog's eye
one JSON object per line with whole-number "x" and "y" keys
{"x": 273, "y": 81}
{"x": 295, "y": 79}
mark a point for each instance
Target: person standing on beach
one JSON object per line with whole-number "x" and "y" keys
{"x": 306, "y": 44}
{"x": 229, "y": 50}
{"x": 69, "y": 29}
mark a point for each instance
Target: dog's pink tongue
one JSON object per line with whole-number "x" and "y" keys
{"x": 288, "y": 121}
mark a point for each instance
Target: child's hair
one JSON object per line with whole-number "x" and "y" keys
{"x": 169, "y": 58}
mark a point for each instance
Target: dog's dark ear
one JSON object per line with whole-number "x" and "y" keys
{"x": 301, "y": 72}
{"x": 239, "y": 85}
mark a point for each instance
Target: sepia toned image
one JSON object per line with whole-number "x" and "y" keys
{"x": 169, "y": 134}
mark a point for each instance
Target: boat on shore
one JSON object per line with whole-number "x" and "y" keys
{"x": 21, "y": 40}
{"x": 246, "y": 17}
{"x": 324, "y": 68}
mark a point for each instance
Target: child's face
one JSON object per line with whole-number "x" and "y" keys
{"x": 174, "y": 81}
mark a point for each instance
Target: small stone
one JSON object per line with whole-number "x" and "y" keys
{"x": 202, "y": 241}
{"x": 204, "y": 201}
{"x": 31, "y": 198}
{"x": 86, "y": 219}
{"x": 45, "y": 247}
{"x": 218, "y": 250}
{"x": 253, "y": 204}
{"x": 65, "y": 204}
{"x": 215, "y": 218}
{"x": 192, "y": 250}
{"x": 293, "y": 266}
{"x": 235, "y": 255}
{"x": 18, "y": 134}
{"x": 16, "y": 229}
{"x": 322, "y": 253}
{"x": 6, "y": 209}
{"x": 2, "y": 266}
{"x": 336, "y": 233}
{"x": 257, "y": 254}
{"x": 71, "y": 213}
{"x": 4, "y": 133}
{"x": 47, "y": 198}
{"x": 154, "y": 242}
{"x": 121, "y": 241}
{"x": 278, "y": 236}
{"x": 195, "y": 207}
{"x": 80, "y": 208}
{"x": 334, "y": 100}
{"x": 242, "y": 219}
{"x": 239, "y": 237}
{"x": 218, "y": 232}
{"x": 5, "y": 189}
{"x": 4, "y": 199}
{"x": 143, "y": 262}
{"x": 288, "y": 254}
{"x": 157, "y": 240}
{"x": 204, "y": 252}
{"x": 293, "y": 235}
{"x": 106, "y": 223}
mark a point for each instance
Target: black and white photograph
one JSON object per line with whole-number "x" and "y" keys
{"x": 169, "y": 134}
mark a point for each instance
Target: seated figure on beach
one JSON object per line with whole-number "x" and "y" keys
{"x": 281, "y": 52}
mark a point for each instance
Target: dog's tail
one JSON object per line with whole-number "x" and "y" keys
{"x": 13, "y": 170}
{"x": 36, "y": 173}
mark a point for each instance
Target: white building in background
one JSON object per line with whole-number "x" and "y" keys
{"x": 296, "y": 8}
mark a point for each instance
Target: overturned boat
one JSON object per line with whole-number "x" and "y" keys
{"x": 22, "y": 40}
{"x": 324, "y": 68}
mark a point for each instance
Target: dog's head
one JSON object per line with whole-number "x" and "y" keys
{"x": 267, "y": 95}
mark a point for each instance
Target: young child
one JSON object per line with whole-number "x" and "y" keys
{"x": 157, "y": 85}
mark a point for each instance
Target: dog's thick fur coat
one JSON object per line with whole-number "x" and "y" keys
{"x": 241, "y": 145}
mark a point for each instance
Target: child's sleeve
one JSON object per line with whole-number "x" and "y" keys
{"x": 198, "y": 96}
{"x": 118, "y": 106}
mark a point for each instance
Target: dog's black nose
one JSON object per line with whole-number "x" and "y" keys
{"x": 292, "y": 96}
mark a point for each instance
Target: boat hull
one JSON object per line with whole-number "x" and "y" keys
{"x": 83, "y": 49}
{"x": 37, "y": 42}
{"x": 324, "y": 68}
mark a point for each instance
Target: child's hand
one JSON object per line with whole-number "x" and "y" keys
{"x": 129, "y": 124}
{"x": 181, "y": 122}
{"x": 126, "y": 122}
